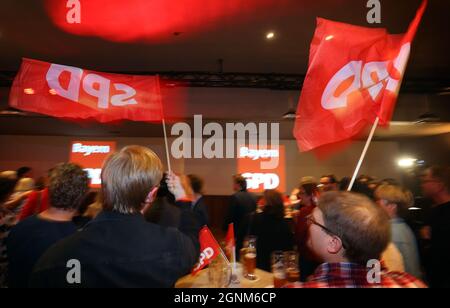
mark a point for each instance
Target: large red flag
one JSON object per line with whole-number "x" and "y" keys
{"x": 353, "y": 77}
{"x": 209, "y": 249}
{"x": 71, "y": 92}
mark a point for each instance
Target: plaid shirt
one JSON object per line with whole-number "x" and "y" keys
{"x": 351, "y": 275}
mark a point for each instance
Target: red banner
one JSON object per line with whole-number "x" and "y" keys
{"x": 354, "y": 76}
{"x": 71, "y": 92}
{"x": 209, "y": 249}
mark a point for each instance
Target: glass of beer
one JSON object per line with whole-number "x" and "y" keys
{"x": 292, "y": 269}
{"x": 219, "y": 273}
{"x": 278, "y": 269}
{"x": 250, "y": 257}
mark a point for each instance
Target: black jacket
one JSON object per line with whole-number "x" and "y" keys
{"x": 201, "y": 212}
{"x": 271, "y": 234}
{"x": 242, "y": 204}
{"x": 117, "y": 250}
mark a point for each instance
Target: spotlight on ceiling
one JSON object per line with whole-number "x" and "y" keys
{"x": 270, "y": 35}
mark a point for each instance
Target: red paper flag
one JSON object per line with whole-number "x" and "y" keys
{"x": 209, "y": 249}
{"x": 354, "y": 76}
{"x": 230, "y": 244}
{"x": 70, "y": 92}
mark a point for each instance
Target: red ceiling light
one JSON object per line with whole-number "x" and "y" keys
{"x": 156, "y": 20}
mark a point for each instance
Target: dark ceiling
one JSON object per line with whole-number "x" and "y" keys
{"x": 192, "y": 54}
{"x": 26, "y": 30}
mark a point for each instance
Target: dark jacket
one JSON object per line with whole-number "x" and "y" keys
{"x": 164, "y": 212}
{"x": 242, "y": 204}
{"x": 271, "y": 233}
{"x": 28, "y": 241}
{"x": 117, "y": 250}
{"x": 201, "y": 212}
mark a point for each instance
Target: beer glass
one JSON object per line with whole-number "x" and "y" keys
{"x": 250, "y": 257}
{"x": 292, "y": 270}
{"x": 219, "y": 273}
{"x": 278, "y": 269}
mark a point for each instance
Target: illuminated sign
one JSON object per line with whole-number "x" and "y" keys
{"x": 250, "y": 164}
{"x": 90, "y": 155}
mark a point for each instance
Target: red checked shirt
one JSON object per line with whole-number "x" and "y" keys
{"x": 351, "y": 275}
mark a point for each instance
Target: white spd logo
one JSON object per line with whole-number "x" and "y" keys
{"x": 206, "y": 254}
{"x": 363, "y": 79}
{"x": 93, "y": 84}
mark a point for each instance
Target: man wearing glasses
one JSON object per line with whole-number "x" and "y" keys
{"x": 348, "y": 232}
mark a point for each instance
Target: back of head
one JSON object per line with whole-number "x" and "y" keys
{"x": 273, "y": 203}
{"x": 127, "y": 178}
{"x": 363, "y": 226}
{"x": 240, "y": 181}
{"x": 164, "y": 192}
{"x": 68, "y": 186}
{"x": 309, "y": 184}
{"x": 395, "y": 194}
{"x": 22, "y": 171}
{"x": 196, "y": 183}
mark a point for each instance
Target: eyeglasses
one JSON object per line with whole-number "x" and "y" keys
{"x": 311, "y": 221}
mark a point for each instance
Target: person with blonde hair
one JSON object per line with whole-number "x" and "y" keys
{"x": 119, "y": 248}
{"x": 396, "y": 200}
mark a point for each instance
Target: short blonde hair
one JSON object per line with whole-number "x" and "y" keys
{"x": 363, "y": 226}
{"x": 395, "y": 194}
{"x": 128, "y": 176}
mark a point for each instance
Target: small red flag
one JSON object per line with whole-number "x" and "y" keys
{"x": 74, "y": 93}
{"x": 209, "y": 249}
{"x": 354, "y": 76}
{"x": 230, "y": 244}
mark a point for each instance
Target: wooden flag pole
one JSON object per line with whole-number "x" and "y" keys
{"x": 363, "y": 154}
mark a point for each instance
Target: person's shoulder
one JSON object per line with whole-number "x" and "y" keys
{"x": 60, "y": 253}
{"x": 397, "y": 279}
{"x": 25, "y": 226}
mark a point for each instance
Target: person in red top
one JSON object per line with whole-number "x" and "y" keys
{"x": 349, "y": 232}
{"x": 37, "y": 202}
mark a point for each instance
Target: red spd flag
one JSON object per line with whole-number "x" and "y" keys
{"x": 209, "y": 249}
{"x": 230, "y": 243}
{"x": 70, "y": 92}
{"x": 354, "y": 76}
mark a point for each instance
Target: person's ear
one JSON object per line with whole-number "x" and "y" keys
{"x": 149, "y": 199}
{"x": 334, "y": 245}
{"x": 392, "y": 208}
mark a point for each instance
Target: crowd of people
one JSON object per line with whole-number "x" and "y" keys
{"x": 141, "y": 228}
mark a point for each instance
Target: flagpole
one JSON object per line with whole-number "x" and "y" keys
{"x": 167, "y": 145}
{"x": 363, "y": 154}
